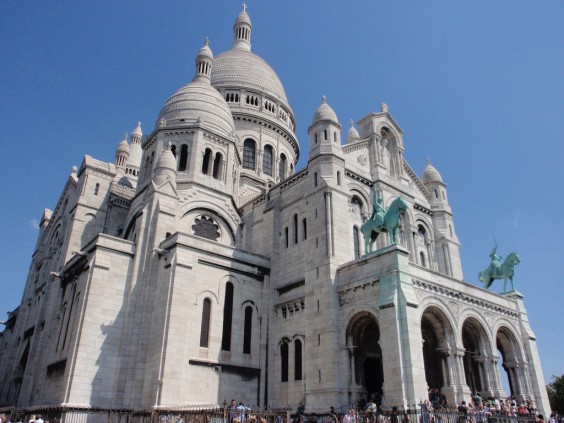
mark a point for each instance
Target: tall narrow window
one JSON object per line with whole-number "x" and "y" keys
{"x": 284, "y": 359}
{"x": 205, "y": 328}
{"x": 422, "y": 259}
{"x": 287, "y": 238}
{"x": 227, "y": 317}
{"x": 297, "y": 359}
{"x": 356, "y": 240}
{"x": 249, "y": 154}
{"x": 304, "y": 228}
{"x": 206, "y": 162}
{"x": 325, "y": 134}
{"x": 248, "y": 330}
{"x": 315, "y": 142}
{"x": 183, "y": 163}
{"x": 217, "y": 166}
{"x": 295, "y": 229}
{"x": 338, "y": 178}
{"x": 315, "y": 179}
{"x": 267, "y": 160}
{"x": 282, "y": 167}
{"x": 96, "y": 188}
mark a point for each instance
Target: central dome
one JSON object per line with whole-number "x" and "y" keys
{"x": 238, "y": 67}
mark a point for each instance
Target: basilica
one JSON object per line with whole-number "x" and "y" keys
{"x": 201, "y": 266}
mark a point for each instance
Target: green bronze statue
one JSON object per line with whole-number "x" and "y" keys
{"x": 382, "y": 220}
{"x": 497, "y": 270}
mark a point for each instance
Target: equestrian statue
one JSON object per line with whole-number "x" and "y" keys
{"x": 382, "y": 220}
{"x": 497, "y": 270}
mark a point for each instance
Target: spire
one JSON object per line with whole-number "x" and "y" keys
{"x": 204, "y": 63}
{"x": 242, "y": 31}
{"x": 135, "y": 151}
{"x": 136, "y": 134}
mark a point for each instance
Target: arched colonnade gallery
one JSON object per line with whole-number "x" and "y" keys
{"x": 459, "y": 358}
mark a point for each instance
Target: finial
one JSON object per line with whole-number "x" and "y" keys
{"x": 74, "y": 169}
{"x": 352, "y": 123}
{"x": 428, "y": 161}
{"x": 384, "y": 107}
{"x": 125, "y": 136}
{"x": 207, "y": 42}
{"x": 244, "y": 7}
{"x": 324, "y": 100}
{"x": 169, "y": 146}
{"x": 138, "y": 123}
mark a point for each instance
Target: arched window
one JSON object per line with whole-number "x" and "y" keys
{"x": 206, "y": 162}
{"x": 249, "y": 154}
{"x": 356, "y": 240}
{"x": 422, "y": 258}
{"x": 284, "y": 359}
{"x": 267, "y": 160}
{"x": 217, "y": 166}
{"x": 183, "y": 158}
{"x": 282, "y": 167}
{"x": 227, "y": 317}
{"x": 205, "y": 327}
{"x": 248, "y": 330}
{"x": 297, "y": 359}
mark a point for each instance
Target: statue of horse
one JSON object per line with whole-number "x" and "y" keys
{"x": 371, "y": 229}
{"x": 504, "y": 272}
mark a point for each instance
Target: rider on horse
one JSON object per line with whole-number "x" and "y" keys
{"x": 495, "y": 266}
{"x": 378, "y": 210}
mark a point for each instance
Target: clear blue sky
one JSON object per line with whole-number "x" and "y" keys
{"x": 477, "y": 86}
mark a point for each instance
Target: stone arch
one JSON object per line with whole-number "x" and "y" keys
{"x": 477, "y": 350}
{"x": 206, "y": 293}
{"x": 437, "y": 333}
{"x": 364, "y": 353}
{"x": 512, "y": 360}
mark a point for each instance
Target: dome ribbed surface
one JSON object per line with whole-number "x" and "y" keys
{"x": 198, "y": 100}
{"x": 324, "y": 112}
{"x": 352, "y": 134}
{"x": 237, "y": 67}
{"x": 430, "y": 174}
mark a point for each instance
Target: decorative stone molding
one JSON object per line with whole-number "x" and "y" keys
{"x": 464, "y": 298}
{"x": 348, "y": 294}
{"x": 355, "y": 176}
{"x": 290, "y": 308}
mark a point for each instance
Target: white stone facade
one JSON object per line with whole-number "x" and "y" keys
{"x": 201, "y": 267}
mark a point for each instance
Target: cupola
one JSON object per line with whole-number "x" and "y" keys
{"x": 352, "y": 134}
{"x": 242, "y": 31}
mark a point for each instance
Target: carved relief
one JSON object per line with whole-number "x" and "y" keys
{"x": 455, "y": 308}
{"x": 362, "y": 160}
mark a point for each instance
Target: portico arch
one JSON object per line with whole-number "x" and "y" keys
{"x": 512, "y": 362}
{"x": 438, "y": 337}
{"x": 365, "y": 354}
{"x": 477, "y": 350}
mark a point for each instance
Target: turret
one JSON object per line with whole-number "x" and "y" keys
{"x": 242, "y": 31}
{"x": 447, "y": 245}
{"x": 324, "y": 132}
{"x": 204, "y": 61}
{"x": 352, "y": 134}
{"x": 122, "y": 154}
{"x": 165, "y": 169}
{"x": 135, "y": 152}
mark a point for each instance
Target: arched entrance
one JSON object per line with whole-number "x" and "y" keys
{"x": 474, "y": 340}
{"x": 438, "y": 336}
{"x": 511, "y": 362}
{"x": 363, "y": 336}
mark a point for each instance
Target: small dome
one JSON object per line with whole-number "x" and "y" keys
{"x": 243, "y": 17}
{"x": 352, "y": 134}
{"x": 430, "y": 174}
{"x": 205, "y": 51}
{"x": 324, "y": 112}
{"x": 137, "y": 131}
{"x": 123, "y": 145}
{"x": 166, "y": 161}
